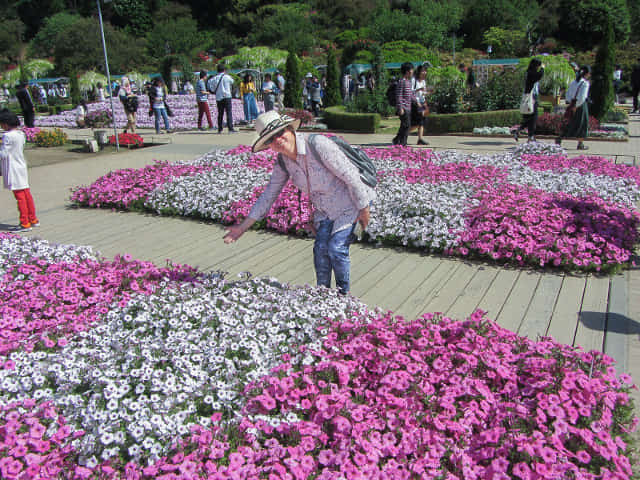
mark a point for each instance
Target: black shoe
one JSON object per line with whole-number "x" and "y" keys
{"x": 558, "y": 141}
{"x": 582, "y": 146}
{"x": 422, "y": 142}
{"x": 394, "y": 141}
{"x": 516, "y": 134}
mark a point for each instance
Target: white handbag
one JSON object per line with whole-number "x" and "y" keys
{"x": 527, "y": 103}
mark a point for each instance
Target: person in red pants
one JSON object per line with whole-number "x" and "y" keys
{"x": 14, "y": 170}
{"x": 203, "y": 100}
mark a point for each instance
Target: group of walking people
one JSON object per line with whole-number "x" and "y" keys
{"x": 576, "y": 115}
{"x": 411, "y": 103}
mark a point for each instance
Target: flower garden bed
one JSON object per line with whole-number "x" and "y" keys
{"x": 604, "y": 132}
{"x": 184, "y": 108}
{"x": 534, "y": 206}
{"x": 119, "y": 369}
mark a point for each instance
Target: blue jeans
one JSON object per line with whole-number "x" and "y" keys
{"x": 331, "y": 252}
{"x": 161, "y": 111}
{"x": 250, "y": 107}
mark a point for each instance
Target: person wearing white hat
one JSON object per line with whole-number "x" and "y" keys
{"x": 320, "y": 169}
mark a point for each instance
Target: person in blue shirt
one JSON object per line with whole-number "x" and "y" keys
{"x": 203, "y": 101}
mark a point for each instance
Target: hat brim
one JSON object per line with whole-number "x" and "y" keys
{"x": 259, "y": 143}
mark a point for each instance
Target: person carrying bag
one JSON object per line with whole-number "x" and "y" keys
{"x": 577, "y": 113}
{"x": 529, "y": 103}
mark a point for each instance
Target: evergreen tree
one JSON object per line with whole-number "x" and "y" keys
{"x": 293, "y": 87}
{"x": 24, "y": 78}
{"x": 332, "y": 95}
{"x": 602, "y": 93}
{"x": 74, "y": 88}
{"x": 165, "y": 70}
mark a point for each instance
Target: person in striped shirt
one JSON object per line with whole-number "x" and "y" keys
{"x": 404, "y": 97}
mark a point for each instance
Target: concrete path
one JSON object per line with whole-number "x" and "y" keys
{"x": 594, "y": 312}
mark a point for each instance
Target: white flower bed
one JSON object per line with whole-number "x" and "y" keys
{"x": 16, "y": 250}
{"x": 168, "y": 361}
{"x": 426, "y": 215}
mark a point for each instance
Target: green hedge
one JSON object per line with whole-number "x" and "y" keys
{"x": 466, "y": 122}
{"x": 337, "y": 118}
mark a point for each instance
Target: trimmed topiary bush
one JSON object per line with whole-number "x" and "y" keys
{"x": 337, "y": 118}
{"x": 466, "y": 122}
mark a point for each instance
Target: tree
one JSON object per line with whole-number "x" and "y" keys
{"x": 508, "y": 14}
{"x": 403, "y": 51}
{"x": 166, "y": 68}
{"x": 292, "y": 87}
{"x": 74, "y": 88}
{"x": 43, "y": 44}
{"x": 602, "y": 93}
{"x": 332, "y": 95}
{"x": 133, "y": 15}
{"x": 11, "y": 37}
{"x": 289, "y": 27}
{"x": 581, "y": 22}
{"x": 427, "y": 22}
{"x": 506, "y": 43}
{"x": 174, "y": 36}
{"x": 125, "y": 52}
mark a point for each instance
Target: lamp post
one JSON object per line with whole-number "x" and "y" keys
{"x": 106, "y": 65}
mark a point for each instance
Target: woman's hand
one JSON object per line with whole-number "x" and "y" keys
{"x": 363, "y": 217}
{"x": 234, "y": 232}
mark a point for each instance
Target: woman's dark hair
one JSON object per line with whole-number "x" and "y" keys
{"x": 246, "y": 78}
{"x": 585, "y": 69}
{"x": 9, "y": 118}
{"x": 418, "y": 71}
{"x": 99, "y": 85}
{"x": 534, "y": 64}
{"x": 203, "y": 74}
{"x": 267, "y": 77}
{"x": 406, "y": 67}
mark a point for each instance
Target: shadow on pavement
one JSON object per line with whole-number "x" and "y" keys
{"x": 488, "y": 143}
{"x": 614, "y": 322}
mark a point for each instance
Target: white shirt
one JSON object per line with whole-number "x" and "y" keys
{"x": 81, "y": 111}
{"x": 280, "y": 80}
{"x": 14, "y": 166}
{"x": 617, "y": 75}
{"x": 226, "y": 84}
{"x": 579, "y": 89}
{"x": 419, "y": 89}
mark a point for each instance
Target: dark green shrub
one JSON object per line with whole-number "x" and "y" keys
{"x": 332, "y": 95}
{"x": 74, "y": 88}
{"x": 502, "y": 91}
{"x": 447, "y": 96}
{"x": 371, "y": 102}
{"x": 466, "y": 122}
{"x": 602, "y": 93}
{"x": 337, "y": 118}
{"x": 292, "y": 86}
{"x": 42, "y": 108}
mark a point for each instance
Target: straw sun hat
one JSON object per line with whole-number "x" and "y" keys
{"x": 270, "y": 124}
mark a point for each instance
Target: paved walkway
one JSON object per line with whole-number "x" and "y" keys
{"x": 594, "y": 312}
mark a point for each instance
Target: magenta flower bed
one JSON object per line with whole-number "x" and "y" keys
{"x": 374, "y": 396}
{"x": 583, "y": 164}
{"x": 529, "y": 225}
{"x": 535, "y": 206}
{"x": 121, "y": 188}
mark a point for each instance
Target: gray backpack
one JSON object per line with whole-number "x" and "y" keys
{"x": 355, "y": 155}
